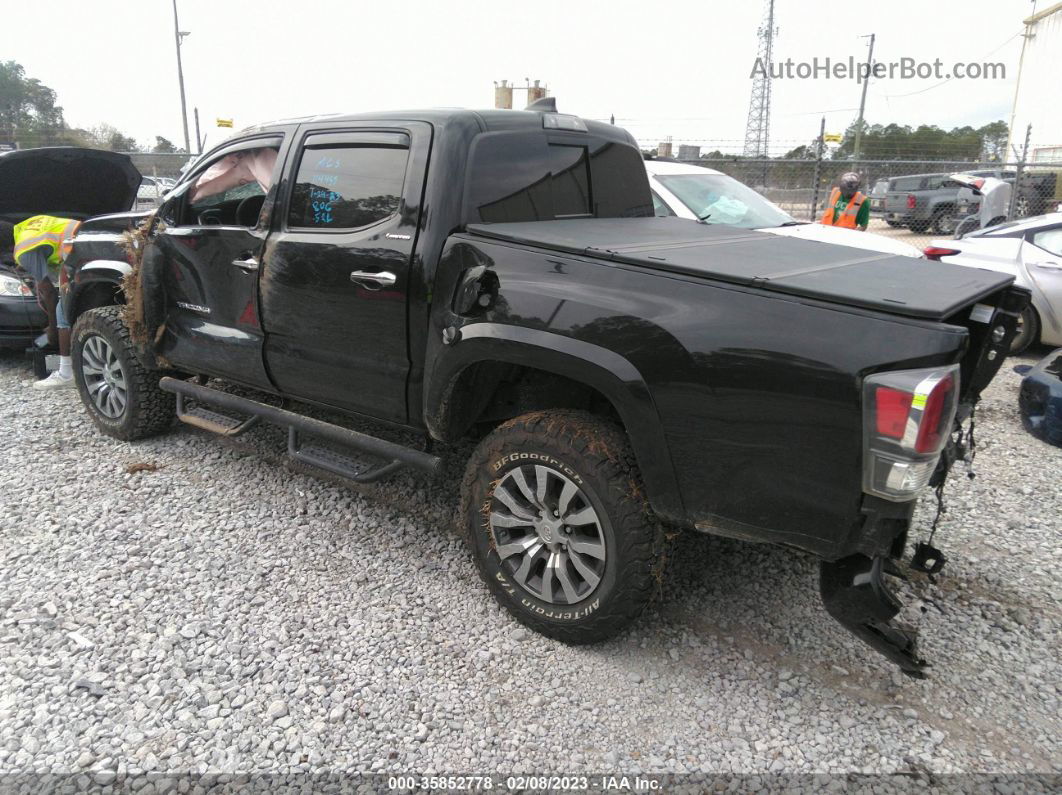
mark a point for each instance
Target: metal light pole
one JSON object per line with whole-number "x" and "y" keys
{"x": 178, "y": 35}
{"x": 862, "y": 100}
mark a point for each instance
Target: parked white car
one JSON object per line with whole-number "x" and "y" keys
{"x": 698, "y": 193}
{"x": 1031, "y": 250}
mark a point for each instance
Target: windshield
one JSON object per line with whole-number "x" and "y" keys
{"x": 719, "y": 199}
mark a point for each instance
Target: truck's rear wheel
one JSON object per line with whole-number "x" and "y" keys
{"x": 944, "y": 221}
{"x": 555, "y": 513}
{"x": 119, "y": 392}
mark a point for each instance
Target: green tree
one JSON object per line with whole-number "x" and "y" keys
{"x": 926, "y": 142}
{"x": 107, "y": 136}
{"x": 28, "y": 113}
{"x": 994, "y": 140}
{"x": 165, "y": 146}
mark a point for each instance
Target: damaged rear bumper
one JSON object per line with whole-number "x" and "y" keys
{"x": 854, "y": 593}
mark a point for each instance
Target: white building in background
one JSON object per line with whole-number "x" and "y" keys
{"x": 1036, "y": 95}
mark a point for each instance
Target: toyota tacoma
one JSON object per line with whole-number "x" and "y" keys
{"x": 500, "y": 275}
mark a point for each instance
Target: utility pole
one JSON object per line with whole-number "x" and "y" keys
{"x": 198, "y": 137}
{"x": 820, "y": 145}
{"x": 178, "y": 34}
{"x": 863, "y": 100}
{"x": 1012, "y": 208}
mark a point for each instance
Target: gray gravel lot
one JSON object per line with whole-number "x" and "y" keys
{"x": 182, "y": 605}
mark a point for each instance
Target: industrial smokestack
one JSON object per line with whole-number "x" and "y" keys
{"x": 535, "y": 92}
{"x": 503, "y": 95}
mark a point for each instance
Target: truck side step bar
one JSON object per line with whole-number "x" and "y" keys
{"x": 395, "y": 456}
{"x": 854, "y": 593}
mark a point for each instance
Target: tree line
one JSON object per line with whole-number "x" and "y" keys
{"x": 29, "y": 117}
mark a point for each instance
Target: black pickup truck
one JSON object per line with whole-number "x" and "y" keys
{"x": 500, "y": 274}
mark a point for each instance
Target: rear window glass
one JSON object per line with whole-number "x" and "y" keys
{"x": 525, "y": 177}
{"x": 907, "y": 183}
{"x": 570, "y": 169}
{"x": 347, "y": 186}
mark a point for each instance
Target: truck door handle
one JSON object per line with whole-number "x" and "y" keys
{"x": 249, "y": 264}
{"x": 373, "y": 280}
{"x": 1049, "y": 265}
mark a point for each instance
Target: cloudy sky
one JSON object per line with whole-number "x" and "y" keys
{"x": 672, "y": 68}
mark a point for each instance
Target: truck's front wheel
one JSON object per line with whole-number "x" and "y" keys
{"x": 119, "y": 392}
{"x": 555, "y": 513}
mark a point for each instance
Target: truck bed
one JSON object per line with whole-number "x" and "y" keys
{"x": 839, "y": 274}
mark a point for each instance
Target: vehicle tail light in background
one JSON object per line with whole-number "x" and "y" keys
{"x": 911, "y": 201}
{"x": 907, "y": 418}
{"x": 936, "y": 252}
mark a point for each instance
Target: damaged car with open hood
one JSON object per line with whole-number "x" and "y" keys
{"x": 63, "y": 181}
{"x": 500, "y": 275}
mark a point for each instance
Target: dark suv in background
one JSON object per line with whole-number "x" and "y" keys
{"x": 921, "y": 201}
{"x": 1039, "y": 191}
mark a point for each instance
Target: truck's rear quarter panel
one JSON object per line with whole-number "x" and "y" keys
{"x": 758, "y": 394}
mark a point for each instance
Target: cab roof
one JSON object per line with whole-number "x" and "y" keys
{"x": 492, "y": 120}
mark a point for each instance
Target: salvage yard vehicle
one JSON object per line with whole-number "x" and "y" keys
{"x": 64, "y": 181}
{"x": 500, "y": 274}
{"x": 1030, "y": 250}
{"x": 699, "y": 193}
{"x": 921, "y": 201}
{"x": 1040, "y": 398}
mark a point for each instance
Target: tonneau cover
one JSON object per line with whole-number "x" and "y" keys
{"x": 851, "y": 276}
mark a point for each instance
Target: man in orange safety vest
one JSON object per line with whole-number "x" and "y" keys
{"x": 847, "y": 207}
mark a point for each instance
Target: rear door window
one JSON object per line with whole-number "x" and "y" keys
{"x": 1050, "y": 240}
{"x": 348, "y": 181}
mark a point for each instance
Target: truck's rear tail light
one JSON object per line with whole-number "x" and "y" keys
{"x": 911, "y": 201}
{"x": 893, "y": 408}
{"x": 936, "y": 252}
{"x": 937, "y": 413}
{"x": 907, "y": 417}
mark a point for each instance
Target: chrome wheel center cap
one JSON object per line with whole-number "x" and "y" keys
{"x": 549, "y": 529}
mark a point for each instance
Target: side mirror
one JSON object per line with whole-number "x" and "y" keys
{"x": 164, "y": 191}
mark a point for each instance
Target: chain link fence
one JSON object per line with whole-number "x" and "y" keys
{"x": 160, "y": 172}
{"x": 910, "y": 197}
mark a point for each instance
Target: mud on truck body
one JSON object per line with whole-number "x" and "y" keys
{"x": 500, "y": 274}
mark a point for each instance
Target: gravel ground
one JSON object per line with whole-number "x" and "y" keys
{"x": 183, "y": 604}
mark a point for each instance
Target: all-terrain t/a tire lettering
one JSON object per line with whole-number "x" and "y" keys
{"x": 554, "y": 511}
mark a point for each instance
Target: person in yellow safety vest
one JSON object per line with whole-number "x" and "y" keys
{"x": 847, "y": 207}
{"x": 38, "y": 248}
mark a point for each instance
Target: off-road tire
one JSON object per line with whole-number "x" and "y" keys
{"x": 1029, "y": 332}
{"x": 595, "y": 455}
{"x": 918, "y": 227}
{"x": 148, "y": 410}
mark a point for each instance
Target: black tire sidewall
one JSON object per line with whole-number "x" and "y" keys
{"x": 491, "y": 565}
{"x": 136, "y": 421}
{"x": 596, "y": 455}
